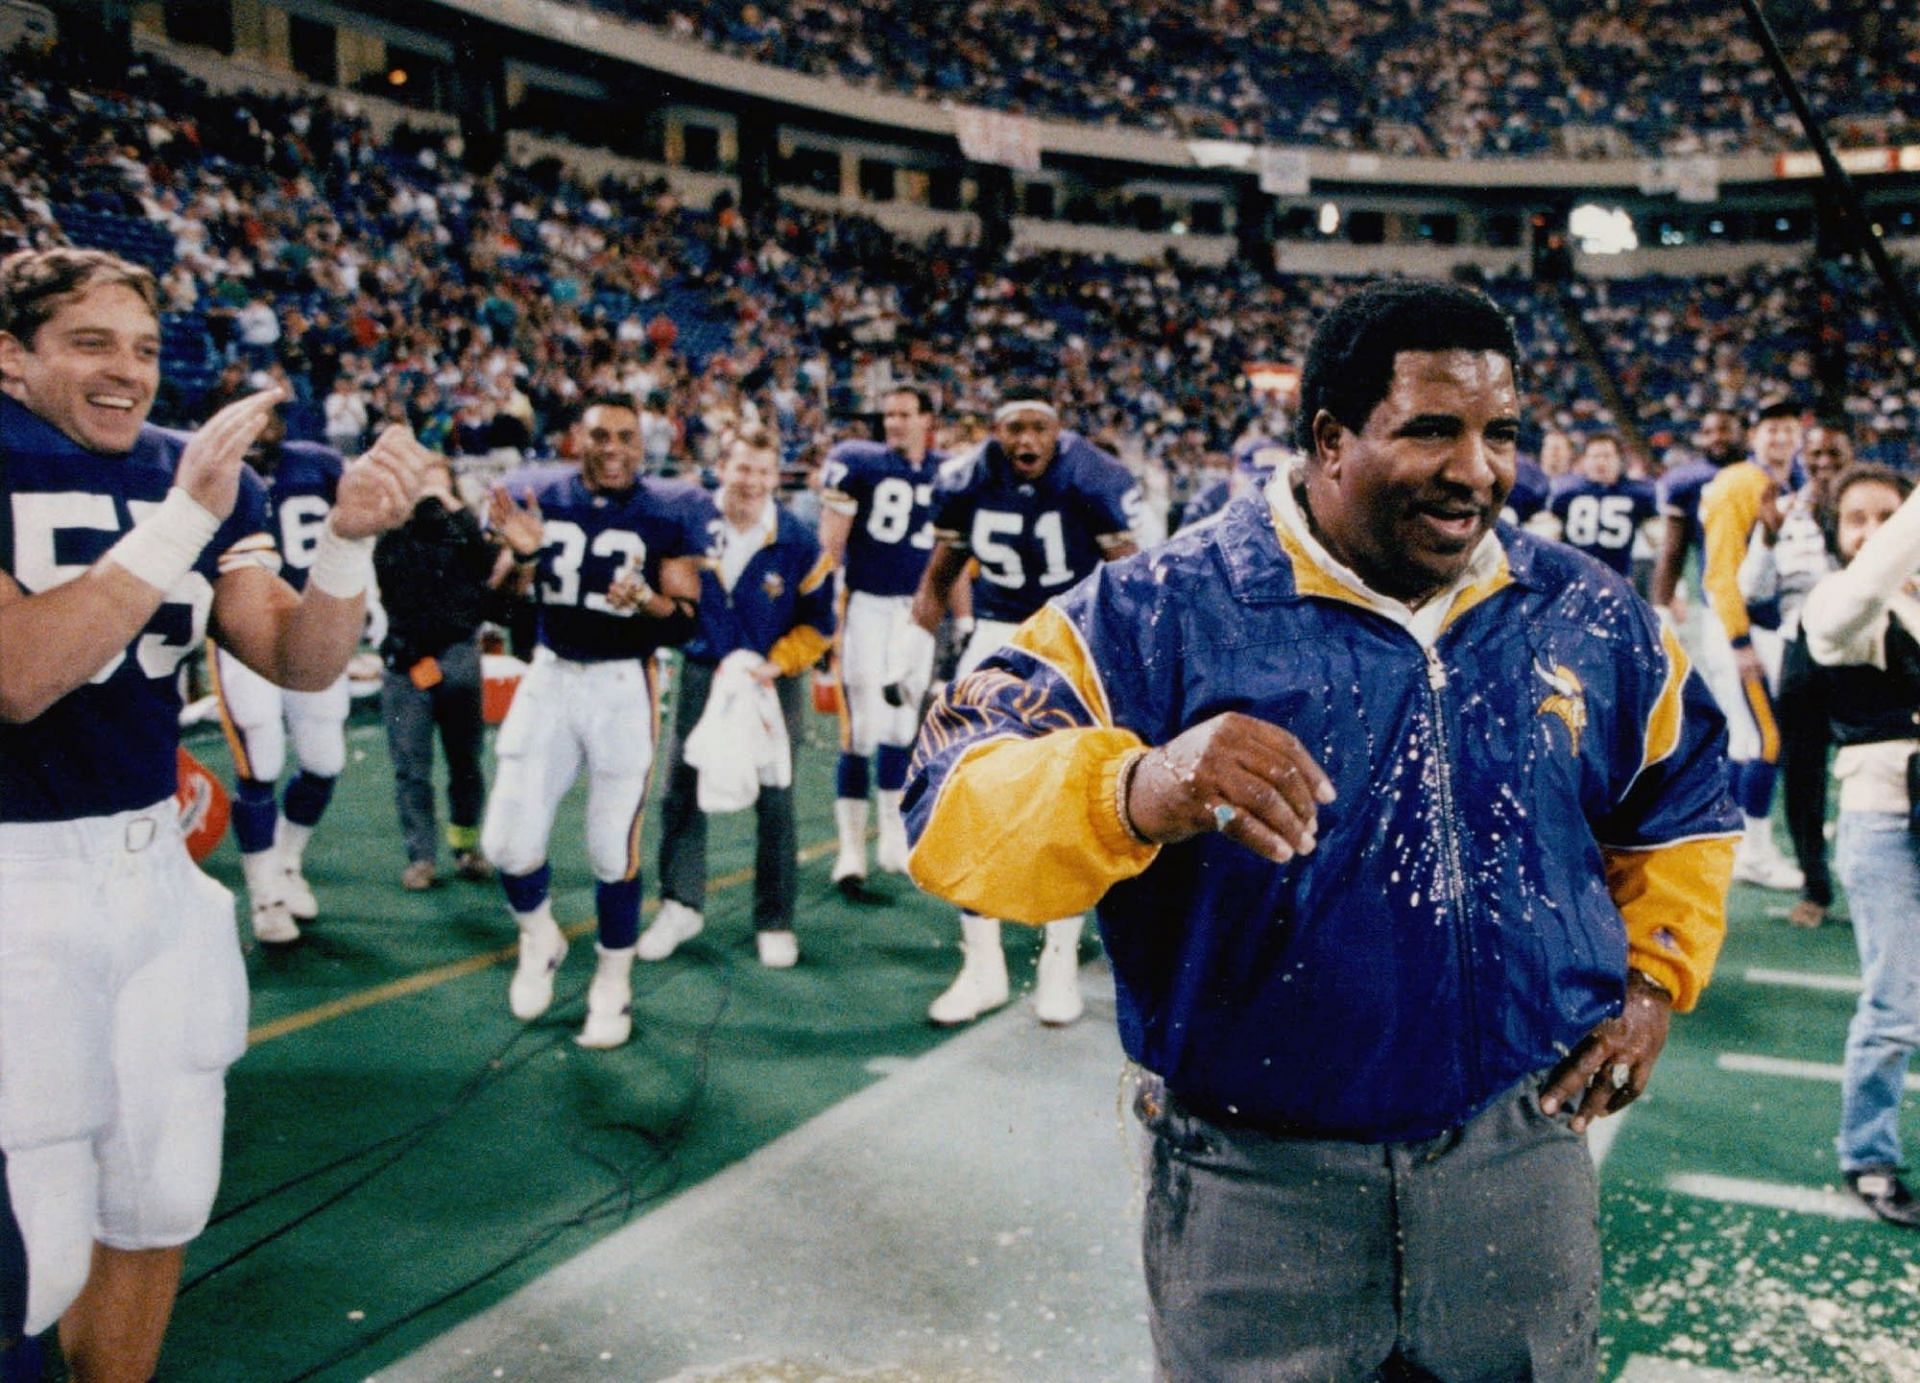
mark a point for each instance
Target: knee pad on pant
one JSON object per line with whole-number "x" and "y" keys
{"x": 165, "y": 1200}
{"x": 53, "y": 1190}
{"x": 613, "y": 830}
{"x": 320, "y": 744}
{"x": 509, "y": 845}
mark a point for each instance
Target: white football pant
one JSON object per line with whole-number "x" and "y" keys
{"x": 123, "y": 1000}
{"x": 567, "y": 715}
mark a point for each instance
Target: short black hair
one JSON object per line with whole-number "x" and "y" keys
{"x": 1029, "y": 387}
{"x": 1350, "y": 363}
{"x": 1776, "y": 408}
{"x": 607, "y": 399}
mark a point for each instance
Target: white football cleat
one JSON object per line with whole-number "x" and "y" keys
{"x": 609, "y": 1002}
{"x": 890, "y": 851}
{"x": 542, "y": 948}
{"x": 779, "y": 950}
{"x": 1758, "y": 860}
{"x": 850, "y": 865}
{"x": 981, "y": 985}
{"x": 674, "y": 924}
{"x": 1056, "y": 990}
{"x": 298, "y": 894}
{"x": 266, "y": 898}
{"x": 273, "y": 923}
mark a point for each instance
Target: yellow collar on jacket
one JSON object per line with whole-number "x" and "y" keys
{"x": 1316, "y": 572}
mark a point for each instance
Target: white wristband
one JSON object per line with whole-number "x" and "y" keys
{"x": 342, "y": 567}
{"x": 163, "y": 546}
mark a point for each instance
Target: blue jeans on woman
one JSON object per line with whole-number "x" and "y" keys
{"x": 1878, "y": 861}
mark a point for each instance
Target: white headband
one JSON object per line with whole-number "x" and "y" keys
{"x": 1007, "y": 410}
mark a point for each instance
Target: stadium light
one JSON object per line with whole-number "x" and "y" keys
{"x": 1603, "y": 230}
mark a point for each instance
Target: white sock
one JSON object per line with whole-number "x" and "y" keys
{"x": 291, "y": 841}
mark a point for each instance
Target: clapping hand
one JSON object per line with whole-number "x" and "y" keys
{"x": 209, "y": 468}
{"x": 520, "y": 528}
{"x": 378, "y": 491}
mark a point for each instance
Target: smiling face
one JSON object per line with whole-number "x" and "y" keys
{"x": 1827, "y": 452}
{"x": 609, "y": 448}
{"x": 1775, "y": 442}
{"x": 92, "y": 368}
{"x": 1862, "y": 507}
{"x": 748, "y": 477}
{"x": 1407, "y": 499}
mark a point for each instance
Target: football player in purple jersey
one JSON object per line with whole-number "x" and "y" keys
{"x": 260, "y": 718}
{"x": 615, "y": 564}
{"x": 123, "y": 998}
{"x": 1598, "y": 509}
{"x": 1722, "y": 442}
{"x": 1038, "y": 508}
{"x": 877, "y": 502}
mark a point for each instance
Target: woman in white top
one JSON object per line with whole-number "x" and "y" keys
{"x": 1863, "y": 630}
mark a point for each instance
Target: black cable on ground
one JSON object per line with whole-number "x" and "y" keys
{"x": 617, "y": 1204}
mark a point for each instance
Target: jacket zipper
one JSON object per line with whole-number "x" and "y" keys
{"x": 1451, "y": 866}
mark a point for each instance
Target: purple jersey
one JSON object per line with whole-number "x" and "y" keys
{"x": 1678, "y": 496}
{"x": 1528, "y": 495}
{"x": 891, "y": 501}
{"x": 592, "y": 538}
{"x": 108, "y": 746}
{"x": 301, "y": 481}
{"x": 1033, "y": 539}
{"x": 1601, "y": 520}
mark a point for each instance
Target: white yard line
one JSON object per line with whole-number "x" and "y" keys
{"x": 1770, "y": 1195}
{"x": 1802, "y": 979}
{"x": 1644, "y": 1368}
{"x": 1829, "y": 1072}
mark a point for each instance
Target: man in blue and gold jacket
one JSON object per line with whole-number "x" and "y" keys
{"x": 1407, "y": 834}
{"x": 765, "y": 590}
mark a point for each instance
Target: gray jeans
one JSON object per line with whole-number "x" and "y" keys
{"x": 411, "y": 715}
{"x": 1475, "y": 1255}
{"x": 683, "y": 826}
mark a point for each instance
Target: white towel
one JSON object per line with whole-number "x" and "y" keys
{"x": 740, "y": 743}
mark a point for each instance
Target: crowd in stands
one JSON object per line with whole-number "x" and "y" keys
{"x": 1439, "y": 78}
{"x": 381, "y": 280}
{"x": 1819, "y": 335}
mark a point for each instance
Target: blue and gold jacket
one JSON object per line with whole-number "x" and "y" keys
{"x": 1527, "y": 807}
{"x": 781, "y": 607}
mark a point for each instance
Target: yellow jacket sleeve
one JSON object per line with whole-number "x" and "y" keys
{"x": 1673, "y": 899}
{"x": 1729, "y": 508}
{"x": 1029, "y": 829}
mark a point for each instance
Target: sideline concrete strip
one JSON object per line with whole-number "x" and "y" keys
{"x": 973, "y": 1216}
